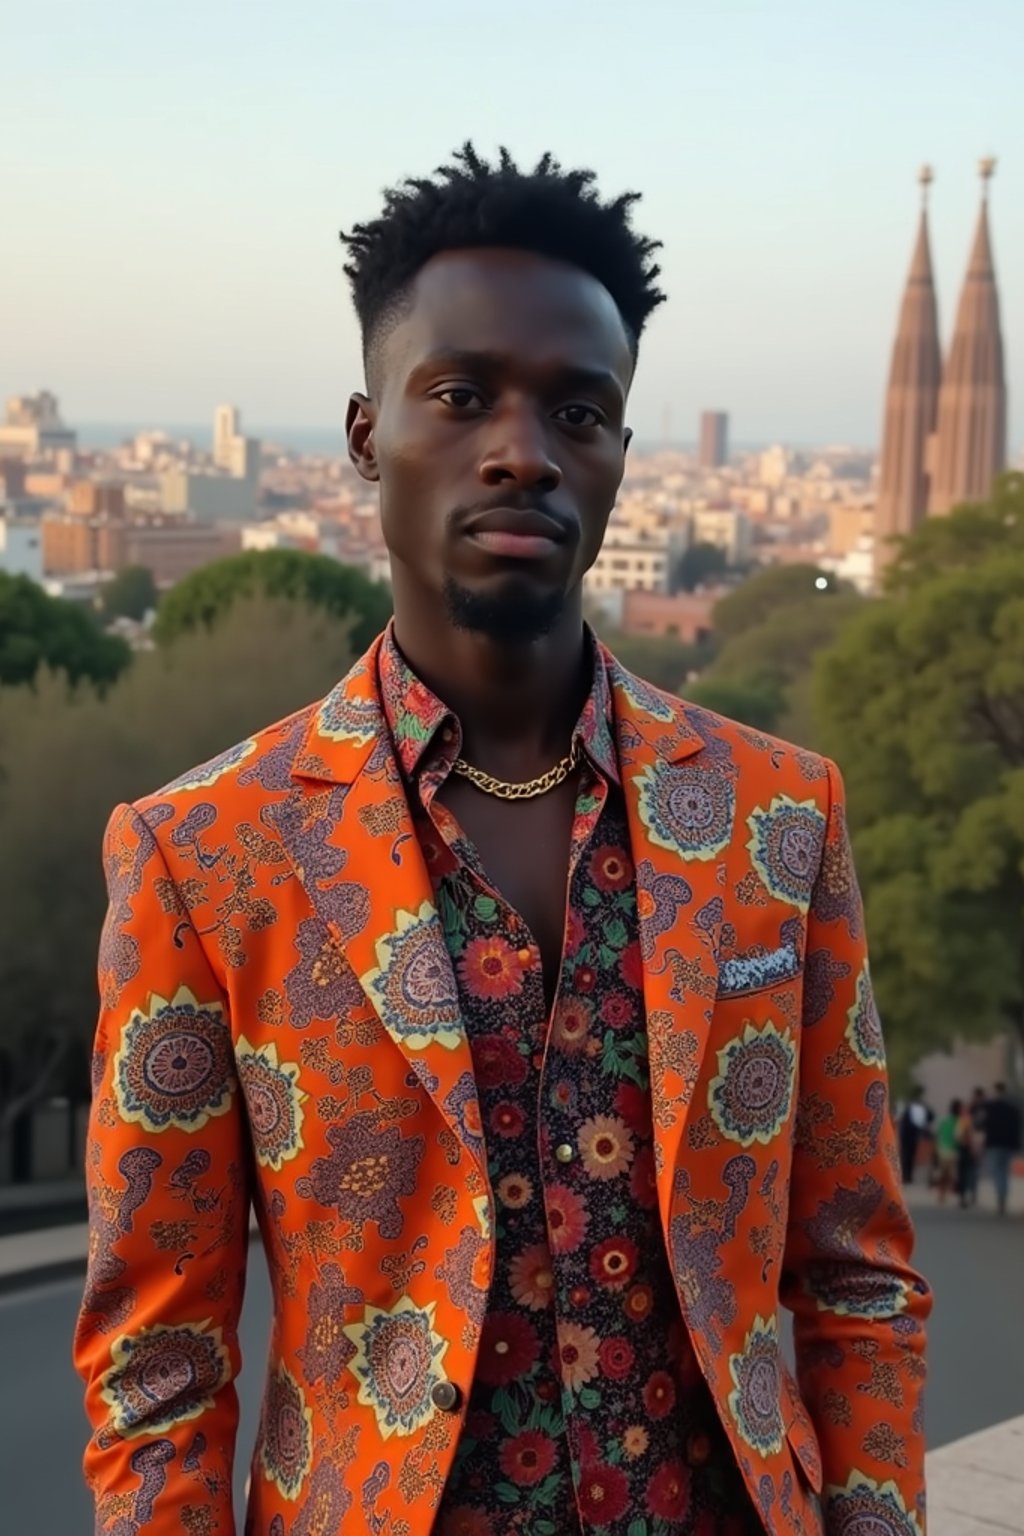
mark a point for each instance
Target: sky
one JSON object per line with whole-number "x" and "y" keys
{"x": 173, "y": 178}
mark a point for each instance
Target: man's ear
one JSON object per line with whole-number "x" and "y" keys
{"x": 627, "y": 438}
{"x": 360, "y": 421}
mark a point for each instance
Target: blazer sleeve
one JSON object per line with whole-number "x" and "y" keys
{"x": 156, "y": 1340}
{"x": 859, "y": 1307}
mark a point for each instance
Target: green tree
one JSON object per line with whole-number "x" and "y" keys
{"x": 41, "y": 631}
{"x": 959, "y": 541}
{"x": 921, "y": 700}
{"x": 767, "y": 591}
{"x": 664, "y": 660}
{"x": 760, "y": 707}
{"x": 698, "y": 565}
{"x": 130, "y": 594}
{"x": 68, "y": 756}
{"x": 343, "y": 590}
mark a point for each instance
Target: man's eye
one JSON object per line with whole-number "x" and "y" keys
{"x": 460, "y": 399}
{"x": 579, "y": 416}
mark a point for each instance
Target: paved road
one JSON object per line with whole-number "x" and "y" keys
{"x": 975, "y": 1263}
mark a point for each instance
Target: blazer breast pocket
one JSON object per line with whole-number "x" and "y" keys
{"x": 757, "y": 971}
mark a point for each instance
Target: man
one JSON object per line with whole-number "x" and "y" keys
{"x": 914, "y": 1124}
{"x": 1002, "y": 1142}
{"x": 530, "y": 1007}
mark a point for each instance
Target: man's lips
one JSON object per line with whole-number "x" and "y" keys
{"x": 527, "y": 535}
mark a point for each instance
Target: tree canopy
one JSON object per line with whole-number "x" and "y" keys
{"x": 921, "y": 700}
{"x": 267, "y": 658}
{"x": 204, "y": 597}
{"x": 39, "y": 631}
{"x": 131, "y": 593}
{"x": 767, "y": 591}
{"x": 698, "y": 564}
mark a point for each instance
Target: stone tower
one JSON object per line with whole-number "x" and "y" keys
{"x": 911, "y": 401}
{"x": 970, "y": 445}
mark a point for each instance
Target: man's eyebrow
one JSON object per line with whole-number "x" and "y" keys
{"x": 571, "y": 375}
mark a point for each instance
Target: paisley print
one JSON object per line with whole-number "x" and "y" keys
{"x": 413, "y": 986}
{"x": 686, "y": 810}
{"x": 208, "y": 773}
{"x": 864, "y": 1507}
{"x": 174, "y": 1066}
{"x": 274, "y": 1102}
{"x": 371, "y": 1166}
{"x": 286, "y": 1434}
{"x": 342, "y": 717}
{"x": 786, "y": 847}
{"x": 869, "y": 1295}
{"x": 754, "y": 1401}
{"x": 397, "y": 1362}
{"x": 163, "y": 1376}
{"x": 751, "y": 1097}
{"x": 864, "y": 1029}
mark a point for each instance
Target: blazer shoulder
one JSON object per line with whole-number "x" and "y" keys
{"x": 758, "y": 753}
{"x": 264, "y": 759}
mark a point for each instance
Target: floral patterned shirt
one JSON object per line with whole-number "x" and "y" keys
{"x": 588, "y": 1411}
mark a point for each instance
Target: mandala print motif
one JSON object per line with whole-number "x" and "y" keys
{"x": 751, "y": 1097}
{"x": 274, "y": 1101}
{"x": 686, "y": 810}
{"x": 864, "y": 1029}
{"x": 413, "y": 986}
{"x": 174, "y": 1066}
{"x": 286, "y": 1438}
{"x": 397, "y": 1364}
{"x": 785, "y": 848}
{"x": 865, "y": 1507}
{"x": 346, "y": 718}
{"x": 208, "y": 773}
{"x": 164, "y": 1376}
{"x": 754, "y": 1400}
{"x": 645, "y": 697}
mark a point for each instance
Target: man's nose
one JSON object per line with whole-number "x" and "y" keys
{"x": 519, "y": 451}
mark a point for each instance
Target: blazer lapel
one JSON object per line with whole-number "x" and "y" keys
{"x": 348, "y": 831}
{"x": 680, "y": 805}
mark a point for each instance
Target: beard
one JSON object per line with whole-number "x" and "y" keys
{"x": 516, "y": 615}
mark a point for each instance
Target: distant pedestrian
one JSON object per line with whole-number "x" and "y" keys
{"x": 979, "y": 1100}
{"x": 1002, "y": 1142}
{"x": 946, "y": 1150}
{"x": 913, "y": 1124}
{"x": 966, "y": 1156}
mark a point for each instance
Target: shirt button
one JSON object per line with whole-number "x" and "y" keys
{"x": 446, "y": 1396}
{"x": 524, "y": 956}
{"x": 564, "y": 1152}
{"x": 698, "y": 1450}
{"x": 447, "y": 734}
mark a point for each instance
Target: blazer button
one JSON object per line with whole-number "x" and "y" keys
{"x": 446, "y": 1396}
{"x": 698, "y": 1450}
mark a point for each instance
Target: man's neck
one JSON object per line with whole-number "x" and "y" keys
{"x": 517, "y": 704}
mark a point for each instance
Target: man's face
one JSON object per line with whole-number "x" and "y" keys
{"x": 496, "y": 430}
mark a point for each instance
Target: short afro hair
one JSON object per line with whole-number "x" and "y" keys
{"x": 470, "y": 203}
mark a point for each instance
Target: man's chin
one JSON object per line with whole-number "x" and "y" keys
{"x": 515, "y": 615}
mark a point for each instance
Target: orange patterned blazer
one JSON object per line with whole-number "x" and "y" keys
{"x": 277, "y": 1000}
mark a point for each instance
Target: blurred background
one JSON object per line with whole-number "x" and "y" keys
{"x": 820, "y": 533}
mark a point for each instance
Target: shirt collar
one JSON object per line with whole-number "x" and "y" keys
{"x": 416, "y": 717}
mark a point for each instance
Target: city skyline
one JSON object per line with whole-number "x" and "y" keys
{"x": 195, "y": 258}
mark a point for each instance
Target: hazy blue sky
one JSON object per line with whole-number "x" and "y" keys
{"x": 173, "y": 176}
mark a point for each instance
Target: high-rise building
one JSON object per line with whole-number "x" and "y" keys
{"x": 33, "y": 426}
{"x": 227, "y": 425}
{"x": 911, "y": 401}
{"x": 970, "y": 445}
{"x": 714, "y": 439}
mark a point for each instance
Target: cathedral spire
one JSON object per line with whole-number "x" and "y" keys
{"x": 970, "y": 448}
{"x": 911, "y": 400}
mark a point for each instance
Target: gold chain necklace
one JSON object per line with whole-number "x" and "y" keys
{"x": 526, "y": 791}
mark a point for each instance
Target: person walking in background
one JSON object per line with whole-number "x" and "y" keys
{"x": 913, "y": 1124}
{"x": 947, "y": 1150}
{"x": 1002, "y": 1142}
{"x": 976, "y": 1110}
{"x": 966, "y": 1155}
